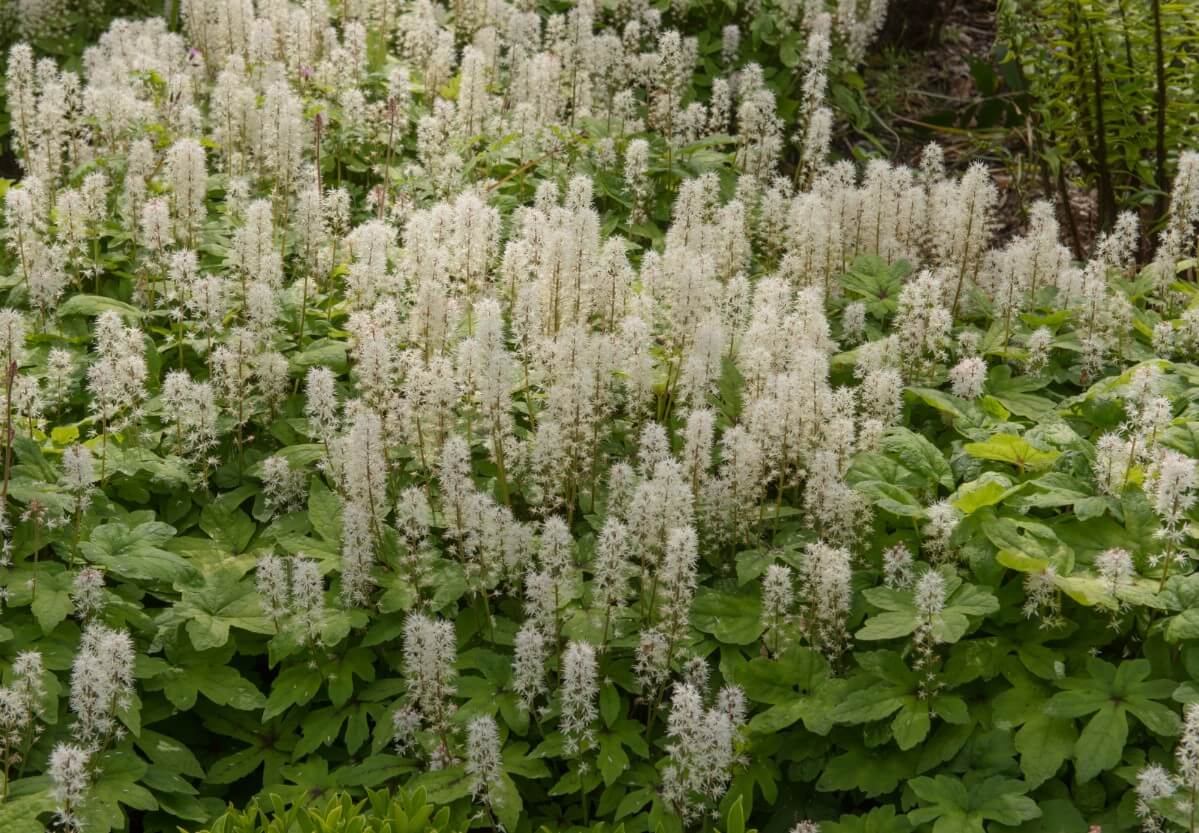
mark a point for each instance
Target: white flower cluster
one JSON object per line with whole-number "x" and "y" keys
{"x": 21, "y": 709}
{"x": 703, "y": 748}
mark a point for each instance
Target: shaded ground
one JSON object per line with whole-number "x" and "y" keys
{"x": 938, "y": 75}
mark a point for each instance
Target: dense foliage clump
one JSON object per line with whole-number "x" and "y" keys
{"x": 382, "y": 811}
{"x": 519, "y": 406}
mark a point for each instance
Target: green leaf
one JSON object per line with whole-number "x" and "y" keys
{"x": 1101, "y": 744}
{"x": 902, "y": 617}
{"x": 971, "y": 600}
{"x": 911, "y": 725}
{"x": 958, "y": 806}
{"x": 321, "y": 727}
{"x": 373, "y": 771}
{"x": 918, "y": 454}
{"x": 444, "y": 785}
{"x": 165, "y": 751}
{"x": 507, "y": 802}
{"x": 1009, "y": 448}
{"x": 633, "y": 802}
{"x": 227, "y": 525}
{"x": 798, "y": 684}
{"x": 989, "y": 489}
{"x": 891, "y": 497}
{"x": 299, "y": 457}
{"x": 357, "y": 662}
{"x": 23, "y": 814}
{"x": 882, "y": 819}
{"x": 236, "y": 766}
{"x": 1021, "y": 561}
{"x": 1044, "y": 744}
{"x": 222, "y": 601}
{"x": 735, "y": 820}
{"x": 875, "y": 281}
{"x": 117, "y": 785}
{"x": 1086, "y": 590}
{"x": 1109, "y": 693}
{"x": 294, "y": 687}
{"x": 728, "y": 388}
{"x": 137, "y": 553}
{"x": 331, "y": 354}
{"x": 219, "y": 683}
{"x": 52, "y": 599}
{"x": 609, "y": 701}
{"x": 874, "y": 772}
{"x": 1015, "y": 393}
{"x": 518, "y": 762}
{"x": 324, "y": 511}
{"x": 611, "y": 758}
{"x": 966, "y": 416}
{"x": 449, "y": 581}
{"x": 1156, "y": 717}
{"x": 92, "y": 305}
{"x": 733, "y": 619}
{"x": 870, "y": 704}
{"x": 890, "y": 625}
